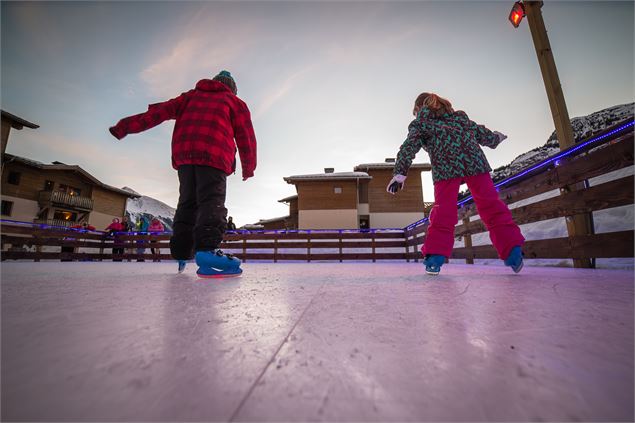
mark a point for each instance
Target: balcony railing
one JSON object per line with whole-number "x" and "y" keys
{"x": 57, "y": 198}
{"x": 55, "y": 222}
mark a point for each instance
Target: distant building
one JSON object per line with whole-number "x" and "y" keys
{"x": 352, "y": 200}
{"x": 291, "y": 221}
{"x": 58, "y": 194}
{"x": 393, "y": 211}
{"x": 329, "y": 200}
{"x": 11, "y": 121}
{"x": 275, "y": 223}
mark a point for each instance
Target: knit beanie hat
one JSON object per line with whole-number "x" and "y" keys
{"x": 226, "y": 78}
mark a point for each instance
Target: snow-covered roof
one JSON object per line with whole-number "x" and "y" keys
{"x": 73, "y": 168}
{"x": 390, "y": 166}
{"x": 274, "y": 219}
{"x": 335, "y": 176}
{"x": 287, "y": 199}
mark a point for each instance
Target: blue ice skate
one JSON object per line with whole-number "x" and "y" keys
{"x": 515, "y": 259}
{"x": 433, "y": 263}
{"x": 182, "y": 264}
{"x": 216, "y": 264}
{"x": 216, "y": 259}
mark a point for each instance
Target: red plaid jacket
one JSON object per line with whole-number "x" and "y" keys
{"x": 208, "y": 119}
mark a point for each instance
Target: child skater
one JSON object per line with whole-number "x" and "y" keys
{"x": 452, "y": 141}
{"x": 208, "y": 119}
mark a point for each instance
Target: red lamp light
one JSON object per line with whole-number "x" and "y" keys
{"x": 517, "y": 14}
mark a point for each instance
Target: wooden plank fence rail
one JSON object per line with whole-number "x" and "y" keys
{"x": 296, "y": 245}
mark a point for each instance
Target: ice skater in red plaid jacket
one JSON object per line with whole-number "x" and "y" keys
{"x": 211, "y": 122}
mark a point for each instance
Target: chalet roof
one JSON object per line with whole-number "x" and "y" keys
{"x": 274, "y": 219}
{"x": 73, "y": 168}
{"x": 288, "y": 199}
{"x": 18, "y": 122}
{"x": 336, "y": 176}
{"x": 390, "y": 166}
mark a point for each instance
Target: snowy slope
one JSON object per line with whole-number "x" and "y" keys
{"x": 583, "y": 127}
{"x": 149, "y": 207}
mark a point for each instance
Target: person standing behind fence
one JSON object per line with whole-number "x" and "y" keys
{"x": 155, "y": 227}
{"x": 142, "y": 228}
{"x": 114, "y": 227}
{"x": 211, "y": 122}
{"x": 452, "y": 141}
{"x": 127, "y": 227}
{"x": 231, "y": 226}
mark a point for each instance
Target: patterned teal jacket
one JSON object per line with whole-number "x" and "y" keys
{"x": 452, "y": 142}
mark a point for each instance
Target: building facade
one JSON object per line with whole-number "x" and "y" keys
{"x": 355, "y": 200}
{"x": 393, "y": 211}
{"x": 58, "y": 194}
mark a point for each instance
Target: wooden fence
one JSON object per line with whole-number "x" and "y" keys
{"x": 31, "y": 242}
{"x": 586, "y": 160}
{"x": 596, "y": 159}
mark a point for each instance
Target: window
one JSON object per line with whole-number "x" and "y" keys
{"x": 338, "y": 190}
{"x": 48, "y": 185}
{"x": 14, "y": 178}
{"x": 65, "y": 215}
{"x": 7, "y": 206}
{"x": 70, "y": 190}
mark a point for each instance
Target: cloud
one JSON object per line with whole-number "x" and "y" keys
{"x": 280, "y": 90}
{"x": 202, "y": 49}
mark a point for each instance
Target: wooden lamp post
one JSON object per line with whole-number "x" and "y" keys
{"x": 581, "y": 224}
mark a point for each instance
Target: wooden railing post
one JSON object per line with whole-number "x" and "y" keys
{"x": 468, "y": 243}
{"x": 308, "y": 247}
{"x": 579, "y": 224}
{"x": 275, "y": 250}
{"x": 373, "y": 244}
{"x": 406, "y": 235}
{"x": 341, "y": 245}
{"x": 244, "y": 248}
{"x": 38, "y": 247}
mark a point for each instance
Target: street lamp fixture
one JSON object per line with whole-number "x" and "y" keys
{"x": 517, "y": 14}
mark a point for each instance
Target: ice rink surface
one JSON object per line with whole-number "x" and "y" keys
{"x": 315, "y": 342}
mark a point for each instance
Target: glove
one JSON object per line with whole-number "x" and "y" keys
{"x": 115, "y": 133}
{"x": 395, "y": 184}
{"x": 501, "y": 136}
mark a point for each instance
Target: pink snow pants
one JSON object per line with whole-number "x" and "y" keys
{"x": 503, "y": 231}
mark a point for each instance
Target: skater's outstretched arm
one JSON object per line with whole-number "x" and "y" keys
{"x": 245, "y": 138}
{"x": 156, "y": 114}
{"x": 416, "y": 140}
{"x": 483, "y": 135}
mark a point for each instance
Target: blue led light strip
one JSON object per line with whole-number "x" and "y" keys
{"x": 238, "y": 231}
{"x": 542, "y": 164}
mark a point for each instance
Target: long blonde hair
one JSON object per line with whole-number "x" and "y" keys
{"x": 437, "y": 105}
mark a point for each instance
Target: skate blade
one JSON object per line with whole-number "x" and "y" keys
{"x": 522, "y": 264}
{"x": 428, "y": 272}
{"x": 219, "y": 275}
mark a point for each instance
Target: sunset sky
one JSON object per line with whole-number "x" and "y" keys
{"x": 329, "y": 84}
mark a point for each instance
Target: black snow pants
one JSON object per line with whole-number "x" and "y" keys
{"x": 201, "y": 216}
